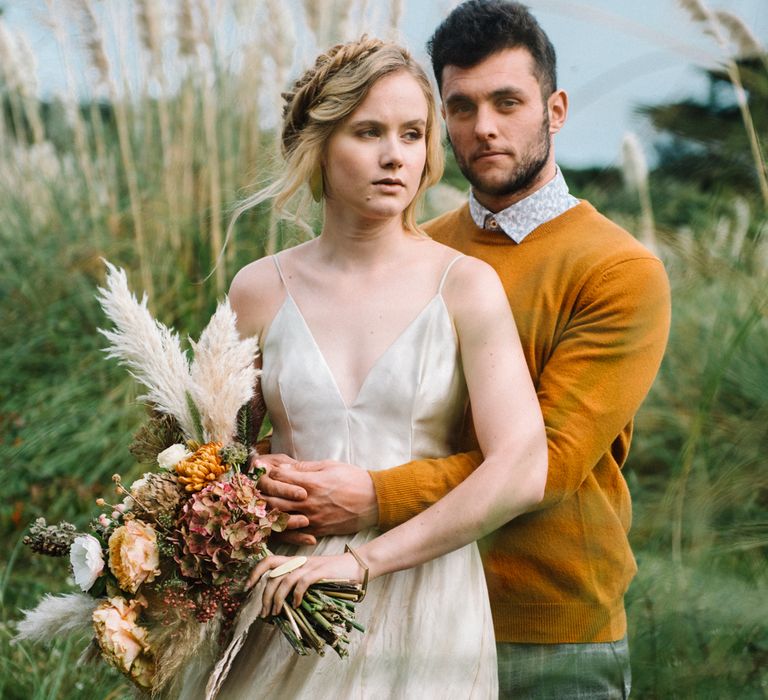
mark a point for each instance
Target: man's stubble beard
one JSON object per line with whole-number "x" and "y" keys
{"x": 522, "y": 175}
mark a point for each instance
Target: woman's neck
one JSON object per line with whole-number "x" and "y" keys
{"x": 347, "y": 240}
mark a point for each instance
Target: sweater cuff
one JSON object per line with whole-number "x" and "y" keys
{"x": 394, "y": 499}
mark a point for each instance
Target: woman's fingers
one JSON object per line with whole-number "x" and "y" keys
{"x": 304, "y": 582}
{"x": 266, "y": 564}
{"x": 275, "y": 593}
{"x": 277, "y": 590}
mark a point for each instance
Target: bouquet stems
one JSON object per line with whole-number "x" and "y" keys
{"x": 325, "y": 617}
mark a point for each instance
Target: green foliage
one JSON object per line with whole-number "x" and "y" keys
{"x": 703, "y": 142}
{"x": 697, "y": 609}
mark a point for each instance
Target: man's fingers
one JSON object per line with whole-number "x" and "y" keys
{"x": 295, "y": 537}
{"x": 276, "y": 488}
{"x": 296, "y": 521}
{"x": 310, "y": 466}
{"x": 271, "y": 460}
{"x": 284, "y": 504}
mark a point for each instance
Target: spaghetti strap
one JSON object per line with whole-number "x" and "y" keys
{"x": 279, "y": 270}
{"x": 445, "y": 273}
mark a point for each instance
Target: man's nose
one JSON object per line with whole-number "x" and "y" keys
{"x": 485, "y": 123}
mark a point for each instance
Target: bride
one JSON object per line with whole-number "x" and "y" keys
{"x": 373, "y": 338}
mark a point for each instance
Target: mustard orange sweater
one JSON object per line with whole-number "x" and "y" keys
{"x": 592, "y": 307}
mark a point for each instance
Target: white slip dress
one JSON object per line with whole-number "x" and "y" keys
{"x": 429, "y": 631}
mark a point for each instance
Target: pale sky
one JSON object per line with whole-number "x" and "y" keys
{"x": 612, "y": 56}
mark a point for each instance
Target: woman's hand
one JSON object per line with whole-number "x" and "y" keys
{"x": 341, "y": 566}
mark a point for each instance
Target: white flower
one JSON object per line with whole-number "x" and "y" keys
{"x": 87, "y": 561}
{"x": 172, "y": 455}
{"x": 139, "y": 483}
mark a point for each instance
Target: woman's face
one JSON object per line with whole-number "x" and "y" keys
{"x": 375, "y": 158}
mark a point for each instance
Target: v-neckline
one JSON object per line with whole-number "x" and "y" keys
{"x": 377, "y": 362}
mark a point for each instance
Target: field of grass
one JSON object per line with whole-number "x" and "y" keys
{"x": 143, "y": 175}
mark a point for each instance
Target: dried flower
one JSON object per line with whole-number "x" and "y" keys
{"x": 172, "y": 455}
{"x": 158, "y": 493}
{"x": 222, "y": 374}
{"x": 158, "y": 433}
{"x": 133, "y": 555}
{"x": 122, "y": 640}
{"x": 52, "y": 540}
{"x": 234, "y": 455}
{"x": 149, "y": 349}
{"x": 87, "y": 561}
{"x": 201, "y": 468}
{"x": 223, "y": 529}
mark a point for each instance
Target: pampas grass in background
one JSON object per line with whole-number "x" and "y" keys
{"x": 165, "y": 119}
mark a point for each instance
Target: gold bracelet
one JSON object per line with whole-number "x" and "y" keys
{"x": 363, "y": 566}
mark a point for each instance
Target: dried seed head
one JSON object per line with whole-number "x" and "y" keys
{"x": 698, "y": 11}
{"x": 149, "y": 15}
{"x": 633, "y": 163}
{"x": 747, "y": 44}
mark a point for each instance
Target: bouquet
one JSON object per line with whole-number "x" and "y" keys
{"x": 162, "y": 568}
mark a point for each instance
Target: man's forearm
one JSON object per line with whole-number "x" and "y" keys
{"x": 406, "y": 490}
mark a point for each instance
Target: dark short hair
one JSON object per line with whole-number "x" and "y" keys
{"x": 477, "y": 29}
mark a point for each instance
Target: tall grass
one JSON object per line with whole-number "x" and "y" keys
{"x": 141, "y": 170}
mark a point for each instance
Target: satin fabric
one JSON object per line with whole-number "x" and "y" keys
{"x": 428, "y": 630}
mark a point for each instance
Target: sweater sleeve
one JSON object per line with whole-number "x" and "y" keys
{"x": 405, "y": 491}
{"x": 601, "y": 369}
{"x": 589, "y": 391}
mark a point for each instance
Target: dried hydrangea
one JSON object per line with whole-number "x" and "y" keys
{"x": 222, "y": 530}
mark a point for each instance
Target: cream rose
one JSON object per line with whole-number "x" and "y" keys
{"x": 122, "y": 641}
{"x": 133, "y": 555}
{"x": 172, "y": 455}
{"x": 87, "y": 561}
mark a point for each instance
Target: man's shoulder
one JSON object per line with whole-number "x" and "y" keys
{"x": 448, "y": 226}
{"x": 596, "y": 231}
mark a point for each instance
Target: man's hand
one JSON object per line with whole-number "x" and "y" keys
{"x": 289, "y": 496}
{"x": 339, "y": 498}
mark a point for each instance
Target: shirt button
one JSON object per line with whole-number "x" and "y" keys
{"x": 491, "y": 223}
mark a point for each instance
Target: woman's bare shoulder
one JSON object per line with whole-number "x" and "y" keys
{"x": 473, "y": 284}
{"x": 256, "y": 294}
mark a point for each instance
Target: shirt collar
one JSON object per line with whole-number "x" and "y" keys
{"x": 522, "y": 217}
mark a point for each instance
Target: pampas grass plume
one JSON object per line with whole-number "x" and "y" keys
{"x": 222, "y": 374}
{"x": 746, "y": 42}
{"x": 149, "y": 349}
{"x": 634, "y": 166}
{"x": 55, "y": 616}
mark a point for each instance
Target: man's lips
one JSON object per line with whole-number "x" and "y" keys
{"x": 489, "y": 154}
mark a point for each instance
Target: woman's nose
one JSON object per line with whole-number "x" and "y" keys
{"x": 391, "y": 153}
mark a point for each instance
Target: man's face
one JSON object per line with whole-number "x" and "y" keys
{"x": 499, "y": 126}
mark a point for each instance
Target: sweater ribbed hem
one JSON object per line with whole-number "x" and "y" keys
{"x": 559, "y": 623}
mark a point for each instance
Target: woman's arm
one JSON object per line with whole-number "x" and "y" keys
{"x": 510, "y": 432}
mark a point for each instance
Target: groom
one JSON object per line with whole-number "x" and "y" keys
{"x": 592, "y": 308}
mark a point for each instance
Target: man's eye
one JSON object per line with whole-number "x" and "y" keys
{"x": 507, "y": 104}
{"x": 460, "y": 108}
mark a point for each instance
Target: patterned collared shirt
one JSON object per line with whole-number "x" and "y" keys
{"x": 519, "y": 219}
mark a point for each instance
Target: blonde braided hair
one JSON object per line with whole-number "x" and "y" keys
{"x": 309, "y": 89}
{"x": 320, "y": 100}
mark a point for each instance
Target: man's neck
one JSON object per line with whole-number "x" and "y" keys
{"x": 497, "y": 203}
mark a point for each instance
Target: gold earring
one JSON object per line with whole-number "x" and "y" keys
{"x": 316, "y": 183}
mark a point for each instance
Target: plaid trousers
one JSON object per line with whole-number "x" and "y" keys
{"x": 564, "y": 671}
